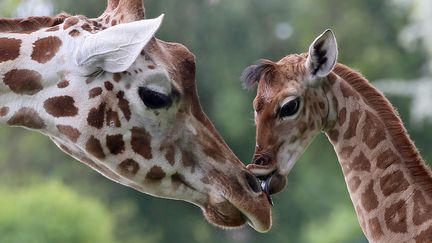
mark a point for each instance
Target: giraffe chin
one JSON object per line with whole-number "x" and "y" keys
{"x": 227, "y": 216}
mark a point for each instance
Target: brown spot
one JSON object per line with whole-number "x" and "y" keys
{"x": 375, "y": 228}
{"x": 369, "y": 199}
{"x": 70, "y": 22}
{"x": 316, "y": 108}
{"x": 373, "y": 131}
{"x": 387, "y": 158}
{"x": 86, "y": 27}
{"x": 170, "y": 153}
{"x": 345, "y": 152}
{"x": 212, "y": 149}
{"x": 155, "y": 174}
{"x": 425, "y": 236}
{"x": 23, "y": 81}
{"x": 4, "y": 111}
{"x": 321, "y": 105}
{"x": 74, "y": 33}
{"x": 96, "y": 116}
{"x": 333, "y": 135}
{"x": 395, "y": 217}
{"x": 141, "y": 142}
{"x": 61, "y": 106}
{"x": 151, "y": 67}
{"x": 302, "y": 127}
{"x": 128, "y": 167}
{"x": 354, "y": 183}
{"x": 63, "y": 84}
{"x": 65, "y": 149}
{"x": 124, "y": 105}
{"x": 112, "y": 117}
{"x": 352, "y": 126}
{"x": 311, "y": 125}
{"x": 70, "y": 132}
{"x": 107, "y": 20}
{"x": 359, "y": 163}
{"x": 393, "y": 183}
{"x": 27, "y": 117}
{"x": 188, "y": 160}
{"x": 113, "y": 22}
{"x": 53, "y": 29}
{"x": 117, "y": 77}
{"x": 332, "y": 79}
{"x": 44, "y": 49}
{"x": 95, "y": 92}
{"x": 422, "y": 210}
{"x": 178, "y": 179}
{"x": 115, "y": 144}
{"x": 109, "y": 86}
{"x": 342, "y": 116}
{"x": 9, "y": 49}
{"x": 348, "y": 91}
{"x": 94, "y": 147}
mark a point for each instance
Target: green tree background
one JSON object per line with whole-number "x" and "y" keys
{"x": 46, "y": 196}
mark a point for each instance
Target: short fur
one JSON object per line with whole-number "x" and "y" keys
{"x": 416, "y": 165}
{"x": 31, "y": 23}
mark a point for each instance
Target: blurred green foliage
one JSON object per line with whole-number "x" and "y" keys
{"x": 8, "y": 6}
{"x": 226, "y": 36}
{"x": 52, "y": 213}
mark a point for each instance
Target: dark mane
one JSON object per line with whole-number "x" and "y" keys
{"x": 254, "y": 73}
{"x": 31, "y": 23}
{"x": 420, "y": 172}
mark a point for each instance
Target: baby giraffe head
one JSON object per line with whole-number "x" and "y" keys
{"x": 291, "y": 107}
{"x": 125, "y": 103}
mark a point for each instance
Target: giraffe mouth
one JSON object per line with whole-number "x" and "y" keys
{"x": 224, "y": 215}
{"x": 231, "y": 214}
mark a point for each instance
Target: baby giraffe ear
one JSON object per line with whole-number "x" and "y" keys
{"x": 116, "y": 48}
{"x": 322, "y": 56}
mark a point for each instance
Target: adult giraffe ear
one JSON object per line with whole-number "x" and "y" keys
{"x": 322, "y": 56}
{"x": 116, "y": 48}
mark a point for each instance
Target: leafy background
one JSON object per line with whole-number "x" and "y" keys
{"x": 47, "y": 197}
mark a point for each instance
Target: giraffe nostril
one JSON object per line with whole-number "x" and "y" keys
{"x": 262, "y": 160}
{"x": 253, "y": 182}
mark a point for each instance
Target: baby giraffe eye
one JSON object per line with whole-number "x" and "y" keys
{"x": 290, "y": 108}
{"x": 153, "y": 99}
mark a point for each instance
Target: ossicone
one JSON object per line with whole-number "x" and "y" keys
{"x": 252, "y": 75}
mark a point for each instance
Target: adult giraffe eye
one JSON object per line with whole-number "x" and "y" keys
{"x": 290, "y": 108}
{"x": 153, "y": 99}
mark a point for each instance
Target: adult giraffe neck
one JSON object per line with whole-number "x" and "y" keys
{"x": 388, "y": 181}
{"x": 25, "y": 78}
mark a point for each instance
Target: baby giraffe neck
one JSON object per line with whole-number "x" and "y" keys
{"x": 388, "y": 182}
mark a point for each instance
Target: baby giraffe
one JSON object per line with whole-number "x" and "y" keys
{"x": 124, "y": 103}
{"x": 297, "y": 97}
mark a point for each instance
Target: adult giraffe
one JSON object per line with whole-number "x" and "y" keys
{"x": 301, "y": 95}
{"x": 124, "y": 103}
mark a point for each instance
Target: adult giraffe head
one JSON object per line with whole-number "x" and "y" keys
{"x": 125, "y": 103}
